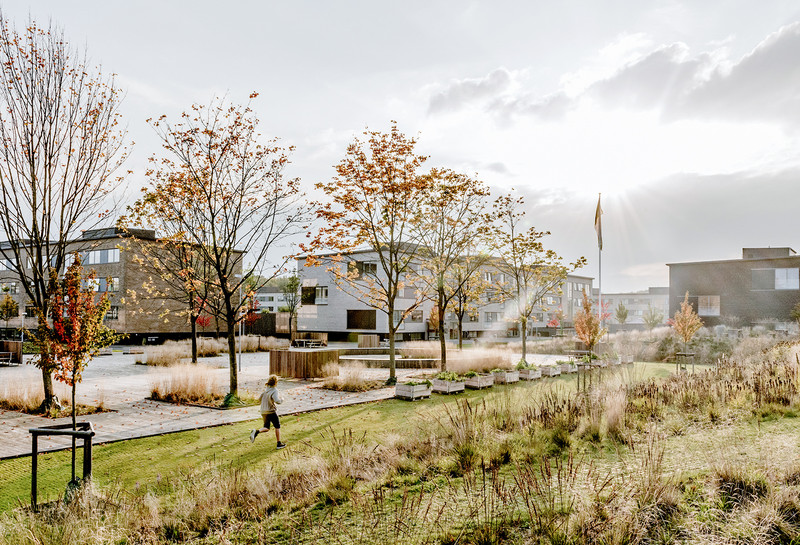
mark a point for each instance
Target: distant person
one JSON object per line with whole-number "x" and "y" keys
{"x": 269, "y": 397}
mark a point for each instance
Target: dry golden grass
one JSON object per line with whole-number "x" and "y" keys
{"x": 188, "y": 383}
{"x": 27, "y": 397}
{"x": 478, "y": 359}
{"x": 348, "y": 378}
{"x": 169, "y": 353}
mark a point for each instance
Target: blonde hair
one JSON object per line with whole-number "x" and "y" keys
{"x": 272, "y": 381}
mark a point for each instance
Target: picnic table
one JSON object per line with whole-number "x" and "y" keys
{"x": 308, "y": 343}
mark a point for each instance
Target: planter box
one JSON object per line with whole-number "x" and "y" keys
{"x": 447, "y": 386}
{"x": 506, "y": 377}
{"x": 551, "y": 370}
{"x": 530, "y": 374}
{"x": 569, "y": 368}
{"x": 480, "y": 381}
{"x": 412, "y": 391}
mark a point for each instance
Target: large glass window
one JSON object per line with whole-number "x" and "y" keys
{"x": 775, "y": 279}
{"x": 321, "y": 295}
{"x": 361, "y": 319}
{"x": 708, "y": 305}
{"x": 787, "y": 279}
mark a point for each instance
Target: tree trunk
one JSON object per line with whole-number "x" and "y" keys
{"x": 523, "y": 324}
{"x": 193, "y": 320}
{"x": 234, "y": 375}
{"x": 460, "y": 332}
{"x": 291, "y": 319}
{"x": 50, "y": 399}
{"x": 392, "y": 329}
{"x": 440, "y": 328}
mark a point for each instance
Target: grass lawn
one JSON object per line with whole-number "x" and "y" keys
{"x": 144, "y": 462}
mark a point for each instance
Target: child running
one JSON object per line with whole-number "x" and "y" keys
{"x": 269, "y": 398}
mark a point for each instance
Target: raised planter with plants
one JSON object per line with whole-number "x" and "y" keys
{"x": 413, "y": 390}
{"x": 567, "y": 366}
{"x": 475, "y": 381}
{"x": 448, "y": 382}
{"x": 528, "y": 371}
{"x": 551, "y": 370}
{"x": 505, "y": 376}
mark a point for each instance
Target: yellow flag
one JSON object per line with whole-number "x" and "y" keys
{"x": 597, "y": 225}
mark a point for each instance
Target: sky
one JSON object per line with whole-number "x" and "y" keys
{"x": 685, "y": 116}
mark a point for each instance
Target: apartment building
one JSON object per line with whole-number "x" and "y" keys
{"x": 637, "y": 303}
{"x": 326, "y": 307}
{"x": 269, "y": 299}
{"x": 138, "y": 307}
{"x": 761, "y": 288}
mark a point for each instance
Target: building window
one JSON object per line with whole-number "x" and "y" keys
{"x": 474, "y": 318}
{"x": 775, "y": 279}
{"x": 109, "y": 284}
{"x": 10, "y": 287}
{"x": 366, "y": 268}
{"x": 416, "y": 316}
{"x": 113, "y": 313}
{"x": 491, "y": 317}
{"x": 321, "y": 295}
{"x": 787, "y": 279}
{"x": 308, "y": 295}
{"x": 7, "y": 264}
{"x": 397, "y": 316}
{"x": 361, "y": 319}
{"x": 708, "y": 305}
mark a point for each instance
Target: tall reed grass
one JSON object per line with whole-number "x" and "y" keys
{"x": 188, "y": 383}
{"x": 539, "y": 464}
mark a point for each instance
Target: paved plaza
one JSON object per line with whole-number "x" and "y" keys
{"x": 123, "y": 386}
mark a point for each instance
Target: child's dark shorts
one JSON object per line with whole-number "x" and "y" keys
{"x": 271, "y": 418}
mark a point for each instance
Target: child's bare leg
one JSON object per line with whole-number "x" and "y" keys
{"x": 278, "y": 434}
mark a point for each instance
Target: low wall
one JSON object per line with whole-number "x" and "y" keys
{"x": 400, "y": 363}
{"x": 301, "y": 363}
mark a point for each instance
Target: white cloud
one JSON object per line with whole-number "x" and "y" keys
{"x": 466, "y": 91}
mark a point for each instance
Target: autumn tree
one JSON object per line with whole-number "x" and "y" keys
{"x": 374, "y": 205}
{"x": 587, "y": 324}
{"x": 652, "y": 318}
{"x": 451, "y": 220}
{"x": 290, "y": 289}
{"x": 223, "y": 184}
{"x": 8, "y": 309}
{"x": 61, "y": 145}
{"x": 77, "y": 332}
{"x": 621, "y": 313}
{"x": 529, "y": 270}
{"x": 686, "y": 322}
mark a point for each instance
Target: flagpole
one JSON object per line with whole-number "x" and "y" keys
{"x": 600, "y": 284}
{"x": 599, "y": 228}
